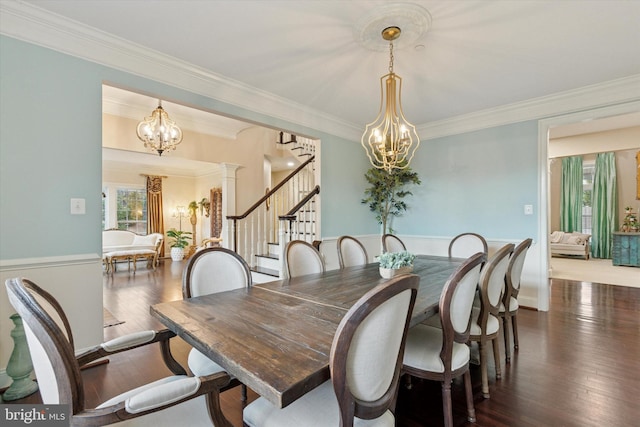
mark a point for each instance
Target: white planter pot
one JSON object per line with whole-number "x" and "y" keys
{"x": 388, "y": 273}
{"x": 177, "y": 254}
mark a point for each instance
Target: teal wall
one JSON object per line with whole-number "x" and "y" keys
{"x": 477, "y": 181}
{"x": 50, "y": 137}
{"x": 344, "y": 164}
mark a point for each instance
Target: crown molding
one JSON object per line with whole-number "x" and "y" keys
{"x": 35, "y": 25}
{"x": 612, "y": 92}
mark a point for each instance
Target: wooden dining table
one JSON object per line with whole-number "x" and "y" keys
{"x": 276, "y": 337}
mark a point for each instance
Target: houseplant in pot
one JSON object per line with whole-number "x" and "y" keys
{"x": 396, "y": 263}
{"x": 387, "y": 193}
{"x": 180, "y": 240}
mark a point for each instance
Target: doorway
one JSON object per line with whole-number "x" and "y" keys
{"x": 596, "y": 120}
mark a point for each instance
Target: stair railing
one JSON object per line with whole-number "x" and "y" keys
{"x": 299, "y": 223}
{"x": 255, "y": 228}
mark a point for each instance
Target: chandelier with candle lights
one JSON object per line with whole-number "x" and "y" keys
{"x": 158, "y": 132}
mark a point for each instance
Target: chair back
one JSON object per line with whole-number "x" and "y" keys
{"x": 514, "y": 271}
{"x": 368, "y": 348}
{"x": 351, "y": 252}
{"x": 456, "y": 304}
{"x": 213, "y": 270}
{"x": 301, "y": 258}
{"x": 50, "y": 343}
{"x": 466, "y": 244}
{"x": 492, "y": 280}
{"x": 391, "y": 243}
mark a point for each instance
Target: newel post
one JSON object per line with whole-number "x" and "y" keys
{"x": 20, "y": 366}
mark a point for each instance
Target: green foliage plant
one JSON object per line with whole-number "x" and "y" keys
{"x": 387, "y": 192}
{"x": 395, "y": 260}
{"x": 193, "y": 208}
{"x": 180, "y": 238}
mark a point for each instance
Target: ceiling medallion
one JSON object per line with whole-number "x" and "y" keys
{"x": 413, "y": 19}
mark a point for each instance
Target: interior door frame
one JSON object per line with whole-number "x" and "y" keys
{"x": 544, "y": 255}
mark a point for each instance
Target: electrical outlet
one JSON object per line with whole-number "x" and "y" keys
{"x": 528, "y": 209}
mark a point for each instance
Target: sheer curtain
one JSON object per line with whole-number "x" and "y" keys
{"x": 605, "y": 205}
{"x": 571, "y": 194}
{"x": 155, "y": 219}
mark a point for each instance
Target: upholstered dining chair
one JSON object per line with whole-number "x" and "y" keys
{"x": 166, "y": 402}
{"x": 510, "y": 297}
{"x": 209, "y": 271}
{"x": 351, "y": 252}
{"x": 485, "y": 322}
{"x": 466, "y": 244}
{"x": 441, "y": 353}
{"x": 302, "y": 258}
{"x": 392, "y": 243}
{"x": 364, "y": 362}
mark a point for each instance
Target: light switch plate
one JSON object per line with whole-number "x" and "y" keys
{"x": 78, "y": 207}
{"x": 528, "y": 209}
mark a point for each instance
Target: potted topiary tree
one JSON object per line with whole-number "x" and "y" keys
{"x": 180, "y": 240}
{"x": 386, "y": 193}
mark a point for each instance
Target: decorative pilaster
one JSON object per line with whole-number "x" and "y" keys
{"x": 228, "y": 201}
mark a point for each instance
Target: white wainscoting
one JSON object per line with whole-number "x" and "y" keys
{"x": 75, "y": 281}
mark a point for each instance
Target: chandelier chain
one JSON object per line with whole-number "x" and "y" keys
{"x": 391, "y": 57}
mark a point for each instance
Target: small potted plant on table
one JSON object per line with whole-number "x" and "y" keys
{"x": 395, "y": 263}
{"x": 179, "y": 242}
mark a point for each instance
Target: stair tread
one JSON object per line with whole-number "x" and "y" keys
{"x": 267, "y": 271}
{"x": 270, "y": 256}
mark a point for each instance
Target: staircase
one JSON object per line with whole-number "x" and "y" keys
{"x": 287, "y": 212}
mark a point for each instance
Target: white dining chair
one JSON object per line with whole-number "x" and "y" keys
{"x": 168, "y": 402}
{"x": 466, "y": 244}
{"x": 509, "y": 306}
{"x": 364, "y": 363}
{"x": 209, "y": 271}
{"x": 441, "y": 353}
{"x": 301, "y": 258}
{"x": 351, "y": 252}
{"x": 392, "y": 243}
{"x": 485, "y": 321}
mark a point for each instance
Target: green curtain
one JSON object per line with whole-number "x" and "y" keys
{"x": 605, "y": 205}
{"x": 571, "y": 194}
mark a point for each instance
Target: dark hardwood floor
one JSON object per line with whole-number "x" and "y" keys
{"x": 578, "y": 363}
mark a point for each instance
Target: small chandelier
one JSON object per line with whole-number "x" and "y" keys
{"x": 159, "y": 132}
{"x": 390, "y": 141}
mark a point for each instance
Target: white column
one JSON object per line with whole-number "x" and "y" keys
{"x": 228, "y": 200}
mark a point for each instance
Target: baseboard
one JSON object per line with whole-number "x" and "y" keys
{"x": 527, "y": 301}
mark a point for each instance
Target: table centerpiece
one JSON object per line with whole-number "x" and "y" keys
{"x": 395, "y": 263}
